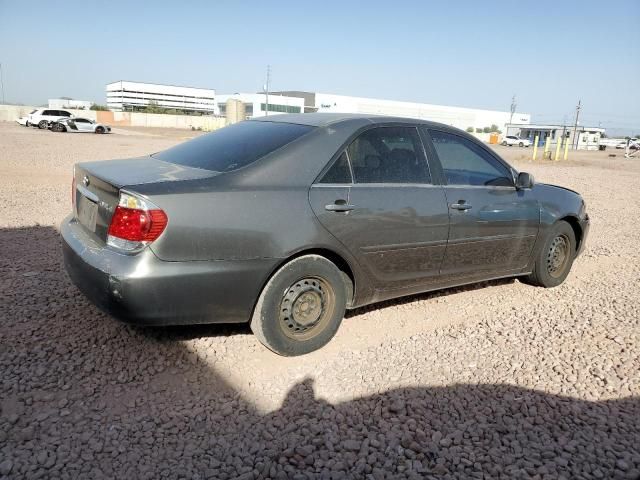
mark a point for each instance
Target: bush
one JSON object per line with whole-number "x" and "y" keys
{"x": 100, "y": 108}
{"x": 486, "y": 129}
{"x": 478, "y": 130}
{"x": 470, "y": 129}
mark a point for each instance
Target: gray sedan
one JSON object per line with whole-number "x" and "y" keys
{"x": 288, "y": 220}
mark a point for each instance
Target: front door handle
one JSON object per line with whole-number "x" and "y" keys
{"x": 461, "y": 205}
{"x": 339, "y": 206}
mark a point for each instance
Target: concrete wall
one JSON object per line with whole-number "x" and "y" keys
{"x": 11, "y": 113}
{"x": 137, "y": 119}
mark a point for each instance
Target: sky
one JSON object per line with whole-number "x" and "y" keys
{"x": 464, "y": 53}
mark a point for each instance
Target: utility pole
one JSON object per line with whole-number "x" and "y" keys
{"x": 2, "y": 83}
{"x": 575, "y": 124}
{"x": 513, "y": 108}
{"x": 266, "y": 90}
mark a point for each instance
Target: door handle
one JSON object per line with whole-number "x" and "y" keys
{"x": 339, "y": 206}
{"x": 461, "y": 205}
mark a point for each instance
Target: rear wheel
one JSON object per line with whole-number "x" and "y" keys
{"x": 58, "y": 127}
{"x": 521, "y": 144}
{"x": 43, "y": 124}
{"x": 28, "y": 124}
{"x": 504, "y": 144}
{"x": 554, "y": 260}
{"x": 301, "y": 306}
{"x": 100, "y": 130}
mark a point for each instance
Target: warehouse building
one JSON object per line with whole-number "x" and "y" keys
{"x": 459, "y": 117}
{"x": 132, "y": 96}
{"x": 255, "y": 104}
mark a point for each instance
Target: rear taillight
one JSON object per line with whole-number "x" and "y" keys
{"x": 135, "y": 223}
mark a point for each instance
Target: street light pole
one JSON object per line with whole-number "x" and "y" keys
{"x": 2, "y": 83}
{"x": 266, "y": 91}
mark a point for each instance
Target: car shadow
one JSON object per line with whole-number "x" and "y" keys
{"x": 85, "y": 396}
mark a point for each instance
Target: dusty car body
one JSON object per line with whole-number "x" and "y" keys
{"x": 387, "y": 202}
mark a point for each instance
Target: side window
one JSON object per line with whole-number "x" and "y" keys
{"x": 339, "y": 171}
{"x": 81, "y": 120}
{"x": 62, "y": 113}
{"x": 389, "y": 155}
{"x": 47, "y": 112}
{"x": 465, "y": 163}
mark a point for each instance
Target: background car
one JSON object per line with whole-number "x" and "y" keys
{"x": 512, "y": 140}
{"x": 24, "y": 121}
{"x": 285, "y": 221}
{"x": 79, "y": 125}
{"x": 42, "y": 117}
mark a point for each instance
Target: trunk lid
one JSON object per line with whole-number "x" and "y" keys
{"x": 98, "y": 184}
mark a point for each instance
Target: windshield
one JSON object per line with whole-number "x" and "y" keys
{"x": 235, "y": 146}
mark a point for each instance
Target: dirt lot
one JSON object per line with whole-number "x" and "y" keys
{"x": 499, "y": 380}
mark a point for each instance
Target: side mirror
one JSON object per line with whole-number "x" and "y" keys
{"x": 524, "y": 180}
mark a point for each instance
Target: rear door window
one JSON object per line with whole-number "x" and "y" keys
{"x": 339, "y": 171}
{"x": 389, "y": 155}
{"x": 235, "y": 146}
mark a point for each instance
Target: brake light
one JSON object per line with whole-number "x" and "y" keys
{"x": 135, "y": 223}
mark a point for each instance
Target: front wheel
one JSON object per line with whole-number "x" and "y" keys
{"x": 504, "y": 144}
{"x": 43, "y": 124}
{"x": 554, "y": 261}
{"x": 301, "y": 306}
{"x": 521, "y": 144}
{"x": 100, "y": 130}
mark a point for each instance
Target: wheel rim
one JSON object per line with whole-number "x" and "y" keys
{"x": 306, "y": 308}
{"x": 558, "y": 256}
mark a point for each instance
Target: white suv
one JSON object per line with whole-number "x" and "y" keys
{"x": 42, "y": 117}
{"x": 512, "y": 140}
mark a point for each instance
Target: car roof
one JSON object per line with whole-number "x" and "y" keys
{"x": 325, "y": 119}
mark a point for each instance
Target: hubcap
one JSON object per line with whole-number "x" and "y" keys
{"x": 306, "y": 308}
{"x": 558, "y": 256}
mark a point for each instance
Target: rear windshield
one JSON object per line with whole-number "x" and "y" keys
{"x": 234, "y": 146}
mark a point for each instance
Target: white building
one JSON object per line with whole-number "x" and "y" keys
{"x": 59, "y": 103}
{"x": 459, "y": 117}
{"x": 124, "y": 95}
{"x": 255, "y": 104}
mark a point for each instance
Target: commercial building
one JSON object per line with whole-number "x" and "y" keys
{"x": 586, "y": 138}
{"x": 132, "y": 96}
{"x": 255, "y": 104}
{"x": 459, "y": 117}
{"x": 59, "y": 103}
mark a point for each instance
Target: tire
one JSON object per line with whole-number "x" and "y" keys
{"x": 554, "y": 261}
{"x": 27, "y": 124}
{"x": 100, "y": 130}
{"x": 504, "y": 144}
{"x": 43, "y": 124}
{"x": 57, "y": 127}
{"x": 301, "y": 306}
{"x": 521, "y": 144}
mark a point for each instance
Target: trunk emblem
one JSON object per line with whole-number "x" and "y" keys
{"x": 85, "y": 181}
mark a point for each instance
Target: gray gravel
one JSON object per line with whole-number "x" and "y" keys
{"x": 500, "y": 380}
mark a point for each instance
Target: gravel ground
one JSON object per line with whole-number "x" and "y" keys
{"x": 498, "y": 380}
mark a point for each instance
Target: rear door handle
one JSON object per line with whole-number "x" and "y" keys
{"x": 339, "y": 206}
{"x": 461, "y": 205}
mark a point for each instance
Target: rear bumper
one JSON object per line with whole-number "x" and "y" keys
{"x": 145, "y": 290}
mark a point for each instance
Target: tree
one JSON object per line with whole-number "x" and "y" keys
{"x": 100, "y": 108}
{"x": 470, "y": 129}
{"x": 478, "y": 130}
